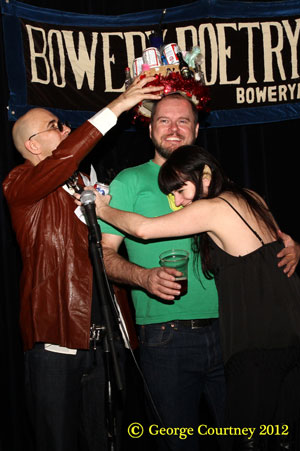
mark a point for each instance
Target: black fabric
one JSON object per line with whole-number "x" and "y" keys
{"x": 260, "y": 338}
{"x": 259, "y": 305}
{"x": 66, "y": 398}
{"x": 261, "y": 387}
{"x": 263, "y": 392}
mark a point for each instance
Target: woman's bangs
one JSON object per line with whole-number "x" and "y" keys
{"x": 170, "y": 180}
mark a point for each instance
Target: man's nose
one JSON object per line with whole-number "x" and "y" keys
{"x": 173, "y": 126}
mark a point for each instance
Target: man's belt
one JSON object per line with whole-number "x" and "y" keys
{"x": 194, "y": 323}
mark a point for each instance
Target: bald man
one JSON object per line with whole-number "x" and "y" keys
{"x": 65, "y": 377}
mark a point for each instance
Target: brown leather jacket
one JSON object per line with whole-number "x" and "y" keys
{"x": 56, "y": 281}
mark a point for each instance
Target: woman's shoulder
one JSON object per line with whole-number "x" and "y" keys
{"x": 238, "y": 199}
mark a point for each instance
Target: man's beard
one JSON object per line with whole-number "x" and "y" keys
{"x": 166, "y": 152}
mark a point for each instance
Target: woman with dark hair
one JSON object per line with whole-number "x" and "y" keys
{"x": 238, "y": 242}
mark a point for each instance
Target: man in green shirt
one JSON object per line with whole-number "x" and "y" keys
{"x": 179, "y": 343}
{"x": 180, "y": 349}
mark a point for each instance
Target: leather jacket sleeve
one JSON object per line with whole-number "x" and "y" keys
{"x": 49, "y": 174}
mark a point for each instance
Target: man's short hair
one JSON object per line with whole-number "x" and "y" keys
{"x": 176, "y": 95}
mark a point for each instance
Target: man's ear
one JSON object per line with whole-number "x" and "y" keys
{"x": 150, "y": 130}
{"x": 32, "y": 146}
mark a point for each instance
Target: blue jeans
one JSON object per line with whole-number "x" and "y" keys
{"x": 181, "y": 365}
{"x": 66, "y": 399}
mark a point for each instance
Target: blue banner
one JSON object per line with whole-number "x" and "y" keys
{"x": 73, "y": 64}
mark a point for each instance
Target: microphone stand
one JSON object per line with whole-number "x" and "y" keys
{"x": 110, "y": 356}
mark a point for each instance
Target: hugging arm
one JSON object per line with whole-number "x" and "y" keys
{"x": 190, "y": 220}
{"x": 157, "y": 281}
{"x": 289, "y": 255}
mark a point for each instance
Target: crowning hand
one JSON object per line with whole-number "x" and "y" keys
{"x": 136, "y": 92}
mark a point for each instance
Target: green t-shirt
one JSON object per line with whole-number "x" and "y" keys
{"x": 136, "y": 189}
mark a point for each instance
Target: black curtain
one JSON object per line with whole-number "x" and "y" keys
{"x": 261, "y": 157}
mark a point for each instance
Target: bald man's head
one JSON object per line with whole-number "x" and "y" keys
{"x": 38, "y": 133}
{"x": 24, "y": 127}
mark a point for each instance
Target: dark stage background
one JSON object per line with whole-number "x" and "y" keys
{"x": 261, "y": 157}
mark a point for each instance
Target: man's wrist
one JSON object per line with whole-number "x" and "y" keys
{"x": 117, "y": 106}
{"x": 99, "y": 211}
{"x": 141, "y": 276}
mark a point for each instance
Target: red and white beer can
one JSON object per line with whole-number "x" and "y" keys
{"x": 170, "y": 53}
{"x": 137, "y": 66}
{"x": 102, "y": 188}
{"x": 151, "y": 56}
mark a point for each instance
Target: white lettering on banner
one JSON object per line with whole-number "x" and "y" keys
{"x": 62, "y": 68}
{"x": 129, "y": 41}
{"x": 268, "y": 94}
{"x": 84, "y": 63}
{"x": 81, "y": 64}
{"x": 107, "y": 60}
{"x": 270, "y": 55}
{"x": 213, "y": 52}
{"x": 293, "y": 40}
{"x": 131, "y": 47}
{"x": 225, "y": 53}
{"x": 37, "y": 56}
{"x": 269, "y": 50}
{"x": 250, "y": 27}
{"x": 181, "y": 33}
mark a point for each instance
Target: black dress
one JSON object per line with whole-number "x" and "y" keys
{"x": 260, "y": 332}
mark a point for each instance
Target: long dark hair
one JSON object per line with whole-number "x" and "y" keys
{"x": 187, "y": 163}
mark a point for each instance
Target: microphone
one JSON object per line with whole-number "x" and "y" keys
{"x": 87, "y": 199}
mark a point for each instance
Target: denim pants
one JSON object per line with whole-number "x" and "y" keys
{"x": 181, "y": 365}
{"x": 66, "y": 399}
